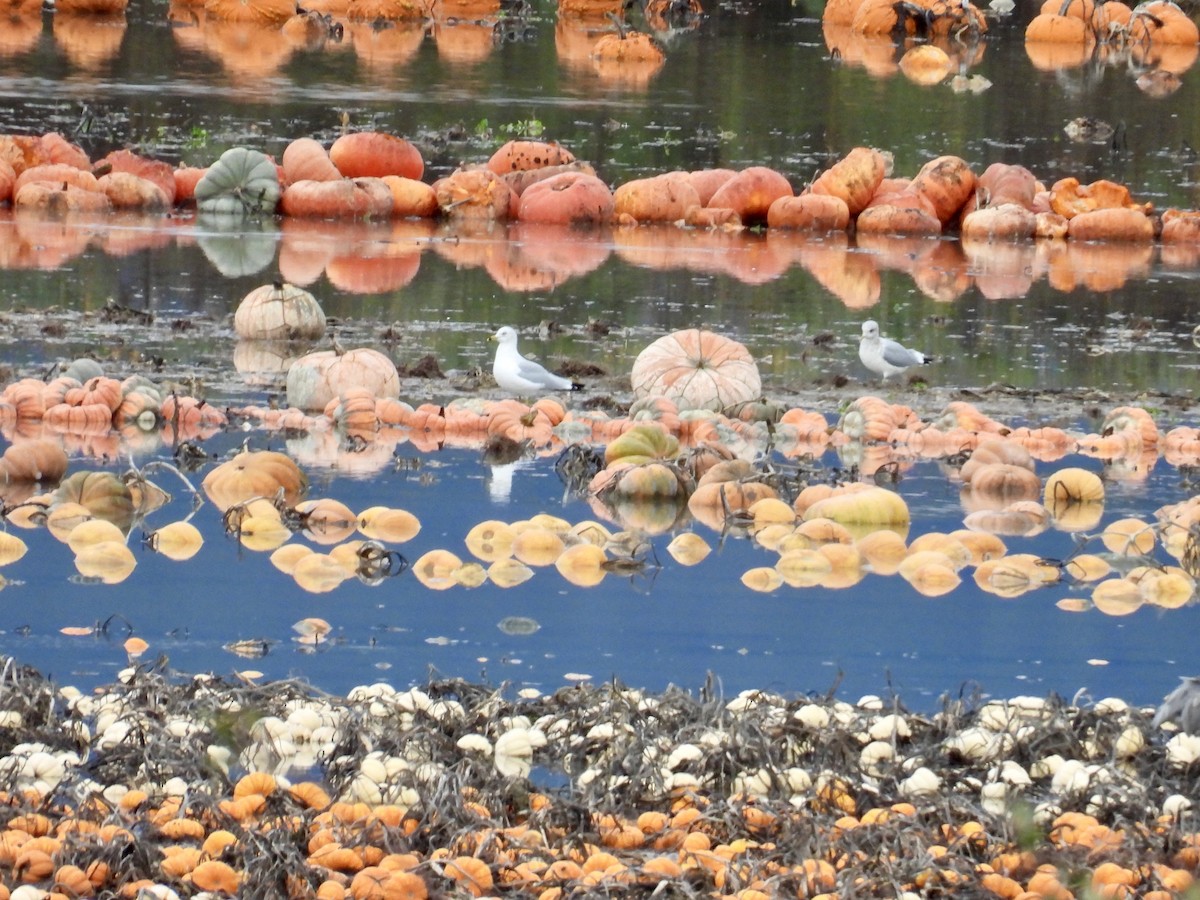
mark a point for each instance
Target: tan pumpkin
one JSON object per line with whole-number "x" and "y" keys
{"x": 661, "y": 198}
{"x": 262, "y": 473}
{"x": 279, "y": 311}
{"x": 696, "y": 369}
{"x": 316, "y": 378}
{"x": 103, "y": 494}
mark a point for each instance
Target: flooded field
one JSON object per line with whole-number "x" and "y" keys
{"x": 1035, "y": 334}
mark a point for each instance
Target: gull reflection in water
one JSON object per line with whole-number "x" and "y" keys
{"x": 500, "y": 479}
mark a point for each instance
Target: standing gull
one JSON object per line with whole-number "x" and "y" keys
{"x": 886, "y": 357}
{"x": 513, "y": 372}
{"x": 1181, "y": 706}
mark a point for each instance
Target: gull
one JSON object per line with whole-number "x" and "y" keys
{"x": 515, "y": 373}
{"x": 886, "y": 357}
{"x": 1182, "y": 706}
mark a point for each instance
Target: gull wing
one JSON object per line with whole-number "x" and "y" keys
{"x": 896, "y": 355}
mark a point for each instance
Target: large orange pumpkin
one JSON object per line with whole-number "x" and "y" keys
{"x": 570, "y": 198}
{"x": 373, "y": 154}
{"x": 697, "y": 370}
{"x": 261, "y": 473}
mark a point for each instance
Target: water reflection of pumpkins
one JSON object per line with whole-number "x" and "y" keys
{"x": 20, "y": 28}
{"x": 387, "y": 267}
{"x": 40, "y": 242}
{"x": 574, "y": 42}
{"x": 463, "y": 42}
{"x": 89, "y": 41}
{"x": 1003, "y": 270}
{"x": 850, "y": 275}
{"x": 246, "y": 49}
{"x": 385, "y": 46}
{"x": 877, "y": 55}
{"x": 570, "y": 252}
{"x": 1096, "y": 266}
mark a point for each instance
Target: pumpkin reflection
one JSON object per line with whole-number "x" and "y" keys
{"x": 463, "y": 42}
{"x": 1002, "y": 270}
{"x": 849, "y": 274}
{"x": 382, "y": 46}
{"x": 20, "y": 29}
{"x": 89, "y": 41}
{"x": 247, "y": 50}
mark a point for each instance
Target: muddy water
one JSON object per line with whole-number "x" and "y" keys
{"x": 750, "y": 85}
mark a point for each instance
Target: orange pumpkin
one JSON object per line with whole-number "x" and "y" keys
{"x": 186, "y": 179}
{"x": 707, "y": 181}
{"x": 947, "y": 183}
{"x": 903, "y": 213}
{"x": 661, "y": 198}
{"x": 61, "y": 199}
{"x": 1005, "y": 222}
{"x": 101, "y": 390}
{"x": 57, "y": 173}
{"x": 34, "y": 460}
{"x": 571, "y": 198}
{"x": 373, "y": 154}
{"x": 1120, "y": 224}
{"x": 1161, "y": 22}
{"x": 253, "y": 12}
{"x": 156, "y": 171}
{"x": 751, "y": 192}
{"x": 306, "y": 159}
{"x": 809, "y": 212}
{"x": 250, "y": 474}
{"x": 411, "y": 198}
{"x": 523, "y": 155}
{"x": 341, "y": 199}
{"x": 475, "y": 194}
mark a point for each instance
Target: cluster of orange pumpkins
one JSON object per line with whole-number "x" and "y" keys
{"x": 377, "y": 175}
{"x": 695, "y": 816}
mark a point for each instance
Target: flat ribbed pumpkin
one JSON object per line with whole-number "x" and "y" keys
{"x": 696, "y": 369}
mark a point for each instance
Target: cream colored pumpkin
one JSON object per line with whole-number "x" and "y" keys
{"x": 316, "y": 378}
{"x": 697, "y": 369}
{"x": 279, "y": 311}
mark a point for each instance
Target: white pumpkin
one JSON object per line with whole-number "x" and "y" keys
{"x": 279, "y": 311}
{"x": 697, "y": 370}
{"x": 316, "y": 378}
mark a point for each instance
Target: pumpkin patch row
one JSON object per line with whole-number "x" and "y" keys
{"x": 375, "y": 175}
{"x": 743, "y": 798}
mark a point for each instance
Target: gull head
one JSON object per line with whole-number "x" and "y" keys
{"x": 505, "y": 335}
{"x": 870, "y": 329}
